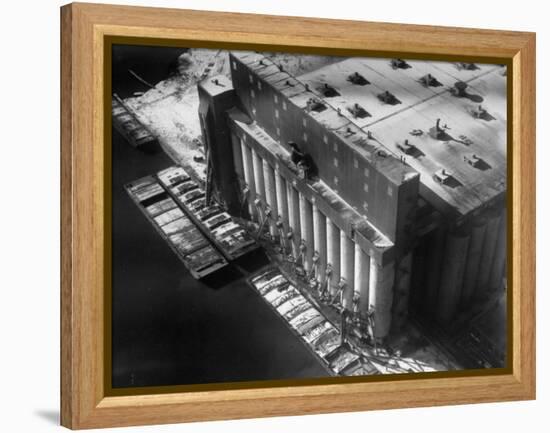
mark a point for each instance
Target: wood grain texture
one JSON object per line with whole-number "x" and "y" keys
{"x": 67, "y": 388}
{"x": 84, "y": 26}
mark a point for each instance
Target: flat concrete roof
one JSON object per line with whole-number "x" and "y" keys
{"x": 466, "y": 136}
{"x": 217, "y": 85}
{"x": 402, "y": 83}
{"x": 419, "y": 107}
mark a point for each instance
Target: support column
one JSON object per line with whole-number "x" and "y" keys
{"x": 473, "y": 260}
{"x": 241, "y": 186}
{"x": 347, "y": 262}
{"x": 259, "y": 181}
{"x": 433, "y": 266}
{"x": 362, "y": 271}
{"x": 320, "y": 241}
{"x": 237, "y": 156}
{"x": 306, "y": 224}
{"x": 487, "y": 254}
{"x": 401, "y": 291}
{"x": 333, "y": 255}
{"x": 452, "y": 275}
{"x": 294, "y": 218}
{"x": 381, "y": 280}
{"x": 249, "y": 179}
{"x": 282, "y": 205}
{"x": 498, "y": 269}
{"x": 270, "y": 197}
{"x": 418, "y": 277}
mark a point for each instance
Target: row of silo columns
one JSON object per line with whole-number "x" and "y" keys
{"x": 325, "y": 251}
{"x": 463, "y": 264}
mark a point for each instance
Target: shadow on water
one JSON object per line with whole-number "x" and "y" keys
{"x": 222, "y": 278}
{"x": 253, "y": 261}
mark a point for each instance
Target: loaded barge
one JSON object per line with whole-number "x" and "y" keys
{"x": 229, "y": 236}
{"x": 127, "y": 124}
{"x": 189, "y": 243}
{"x": 311, "y": 326}
{"x": 203, "y": 236}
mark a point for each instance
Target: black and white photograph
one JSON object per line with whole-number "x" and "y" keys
{"x": 284, "y": 216}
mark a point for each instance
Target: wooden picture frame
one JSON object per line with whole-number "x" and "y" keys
{"x": 85, "y": 400}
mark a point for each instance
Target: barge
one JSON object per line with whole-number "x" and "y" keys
{"x": 127, "y": 124}
{"x": 229, "y": 237}
{"x": 196, "y": 252}
{"x": 315, "y": 331}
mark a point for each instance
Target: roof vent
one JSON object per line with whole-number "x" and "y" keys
{"x": 328, "y": 91}
{"x": 476, "y": 162}
{"x": 358, "y": 79}
{"x": 459, "y": 89}
{"x": 467, "y": 66}
{"x": 358, "y": 112}
{"x": 442, "y": 176}
{"x": 314, "y": 104}
{"x": 429, "y": 80}
{"x": 481, "y": 113}
{"x": 407, "y": 147}
{"x": 446, "y": 178}
{"x": 388, "y": 98}
{"x": 439, "y": 132}
{"x": 399, "y": 64}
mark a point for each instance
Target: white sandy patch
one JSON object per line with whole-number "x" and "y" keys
{"x": 170, "y": 110}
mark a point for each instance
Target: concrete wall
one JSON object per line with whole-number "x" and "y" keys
{"x": 341, "y": 167}
{"x": 217, "y": 141}
{"x": 401, "y": 291}
{"x": 452, "y": 275}
{"x": 498, "y": 267}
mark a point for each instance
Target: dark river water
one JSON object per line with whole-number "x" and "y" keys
{"x": 168, "y": 328}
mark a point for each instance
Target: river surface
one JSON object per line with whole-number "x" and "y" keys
{"x": 168, "y": 328}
